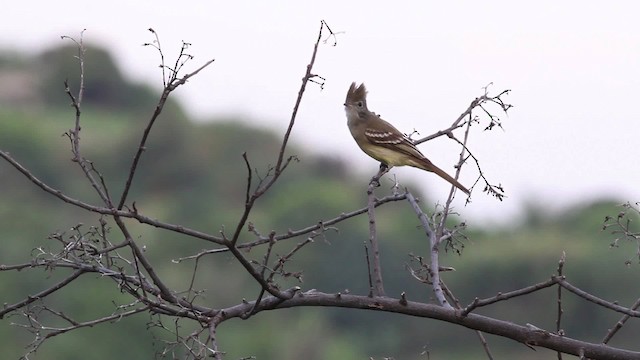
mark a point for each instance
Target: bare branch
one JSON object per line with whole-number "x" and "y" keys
{"x": 508, "y": 295}
{"x": 528, "y": 335}
{"x": 169, "y": 86}
{"x": 485, "y": 98}
{"x": 439, "y": 230}
{"x": 434, "y": 268}
{"x": 281, "y": 164}
{"x": 559, "y": 330}
{"x": 594, "y": 299}
{"x": 622, "y": 228}
{"x": 47, "y": 333}
{"x": 31, "y": 298}
{"x": 494, "y": 190}
{"x": 378, "y": 287}
{"x": 74, "y": 134}
{"x": 620, "y": 323}
{"x": 458, "y": 306}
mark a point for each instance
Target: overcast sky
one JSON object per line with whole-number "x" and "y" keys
{"x": 573, "y": 68}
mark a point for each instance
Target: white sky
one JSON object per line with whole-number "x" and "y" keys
{"x": 573, "y": 67}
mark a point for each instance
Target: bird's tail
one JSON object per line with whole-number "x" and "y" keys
{"x": 427, "y": 165}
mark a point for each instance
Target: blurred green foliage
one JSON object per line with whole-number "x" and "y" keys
{"x": 193, "y": 174}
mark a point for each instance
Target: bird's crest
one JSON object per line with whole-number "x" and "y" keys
{"x": 356, "y": 94}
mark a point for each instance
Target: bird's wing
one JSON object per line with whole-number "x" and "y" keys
{"x": 389, "y": 137}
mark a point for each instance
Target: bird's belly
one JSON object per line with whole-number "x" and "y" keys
{"x": 387, "y": 156}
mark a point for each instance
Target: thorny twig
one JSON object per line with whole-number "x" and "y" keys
{"x": 622, "y": 225}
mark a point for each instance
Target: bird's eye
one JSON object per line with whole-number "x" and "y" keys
{"x": 360, "y": 104}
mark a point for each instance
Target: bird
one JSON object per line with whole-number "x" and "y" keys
{"x": 382, "y": 141}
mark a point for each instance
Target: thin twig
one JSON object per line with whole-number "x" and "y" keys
{"x": 282, "y": 260}
{"x": 277, "y": 269}
{"x": 281, "y": 163}
{"x": 135, "y": 214}
{"x": 255, "y": 274}
{"x": 476, "y": 303}
{"x": 378, "y": 285}
{"x": 74, "y": 134}
{"x": 458, "y": 306}
{"x": 366, "y": 255}
{"x": 620, "y": 323}
{"x": 170, "y": 85}
{"x": 559, "y": 330}
{"x": 495, "y": 190}
{"x": 467, "y": 113}
{"x": 434, "y": 268}
{"x": 594, "y": 299}
{"x": 462, "y": 158}
{"x": 78, "y": 325}
{"x": 31, "y": 298}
